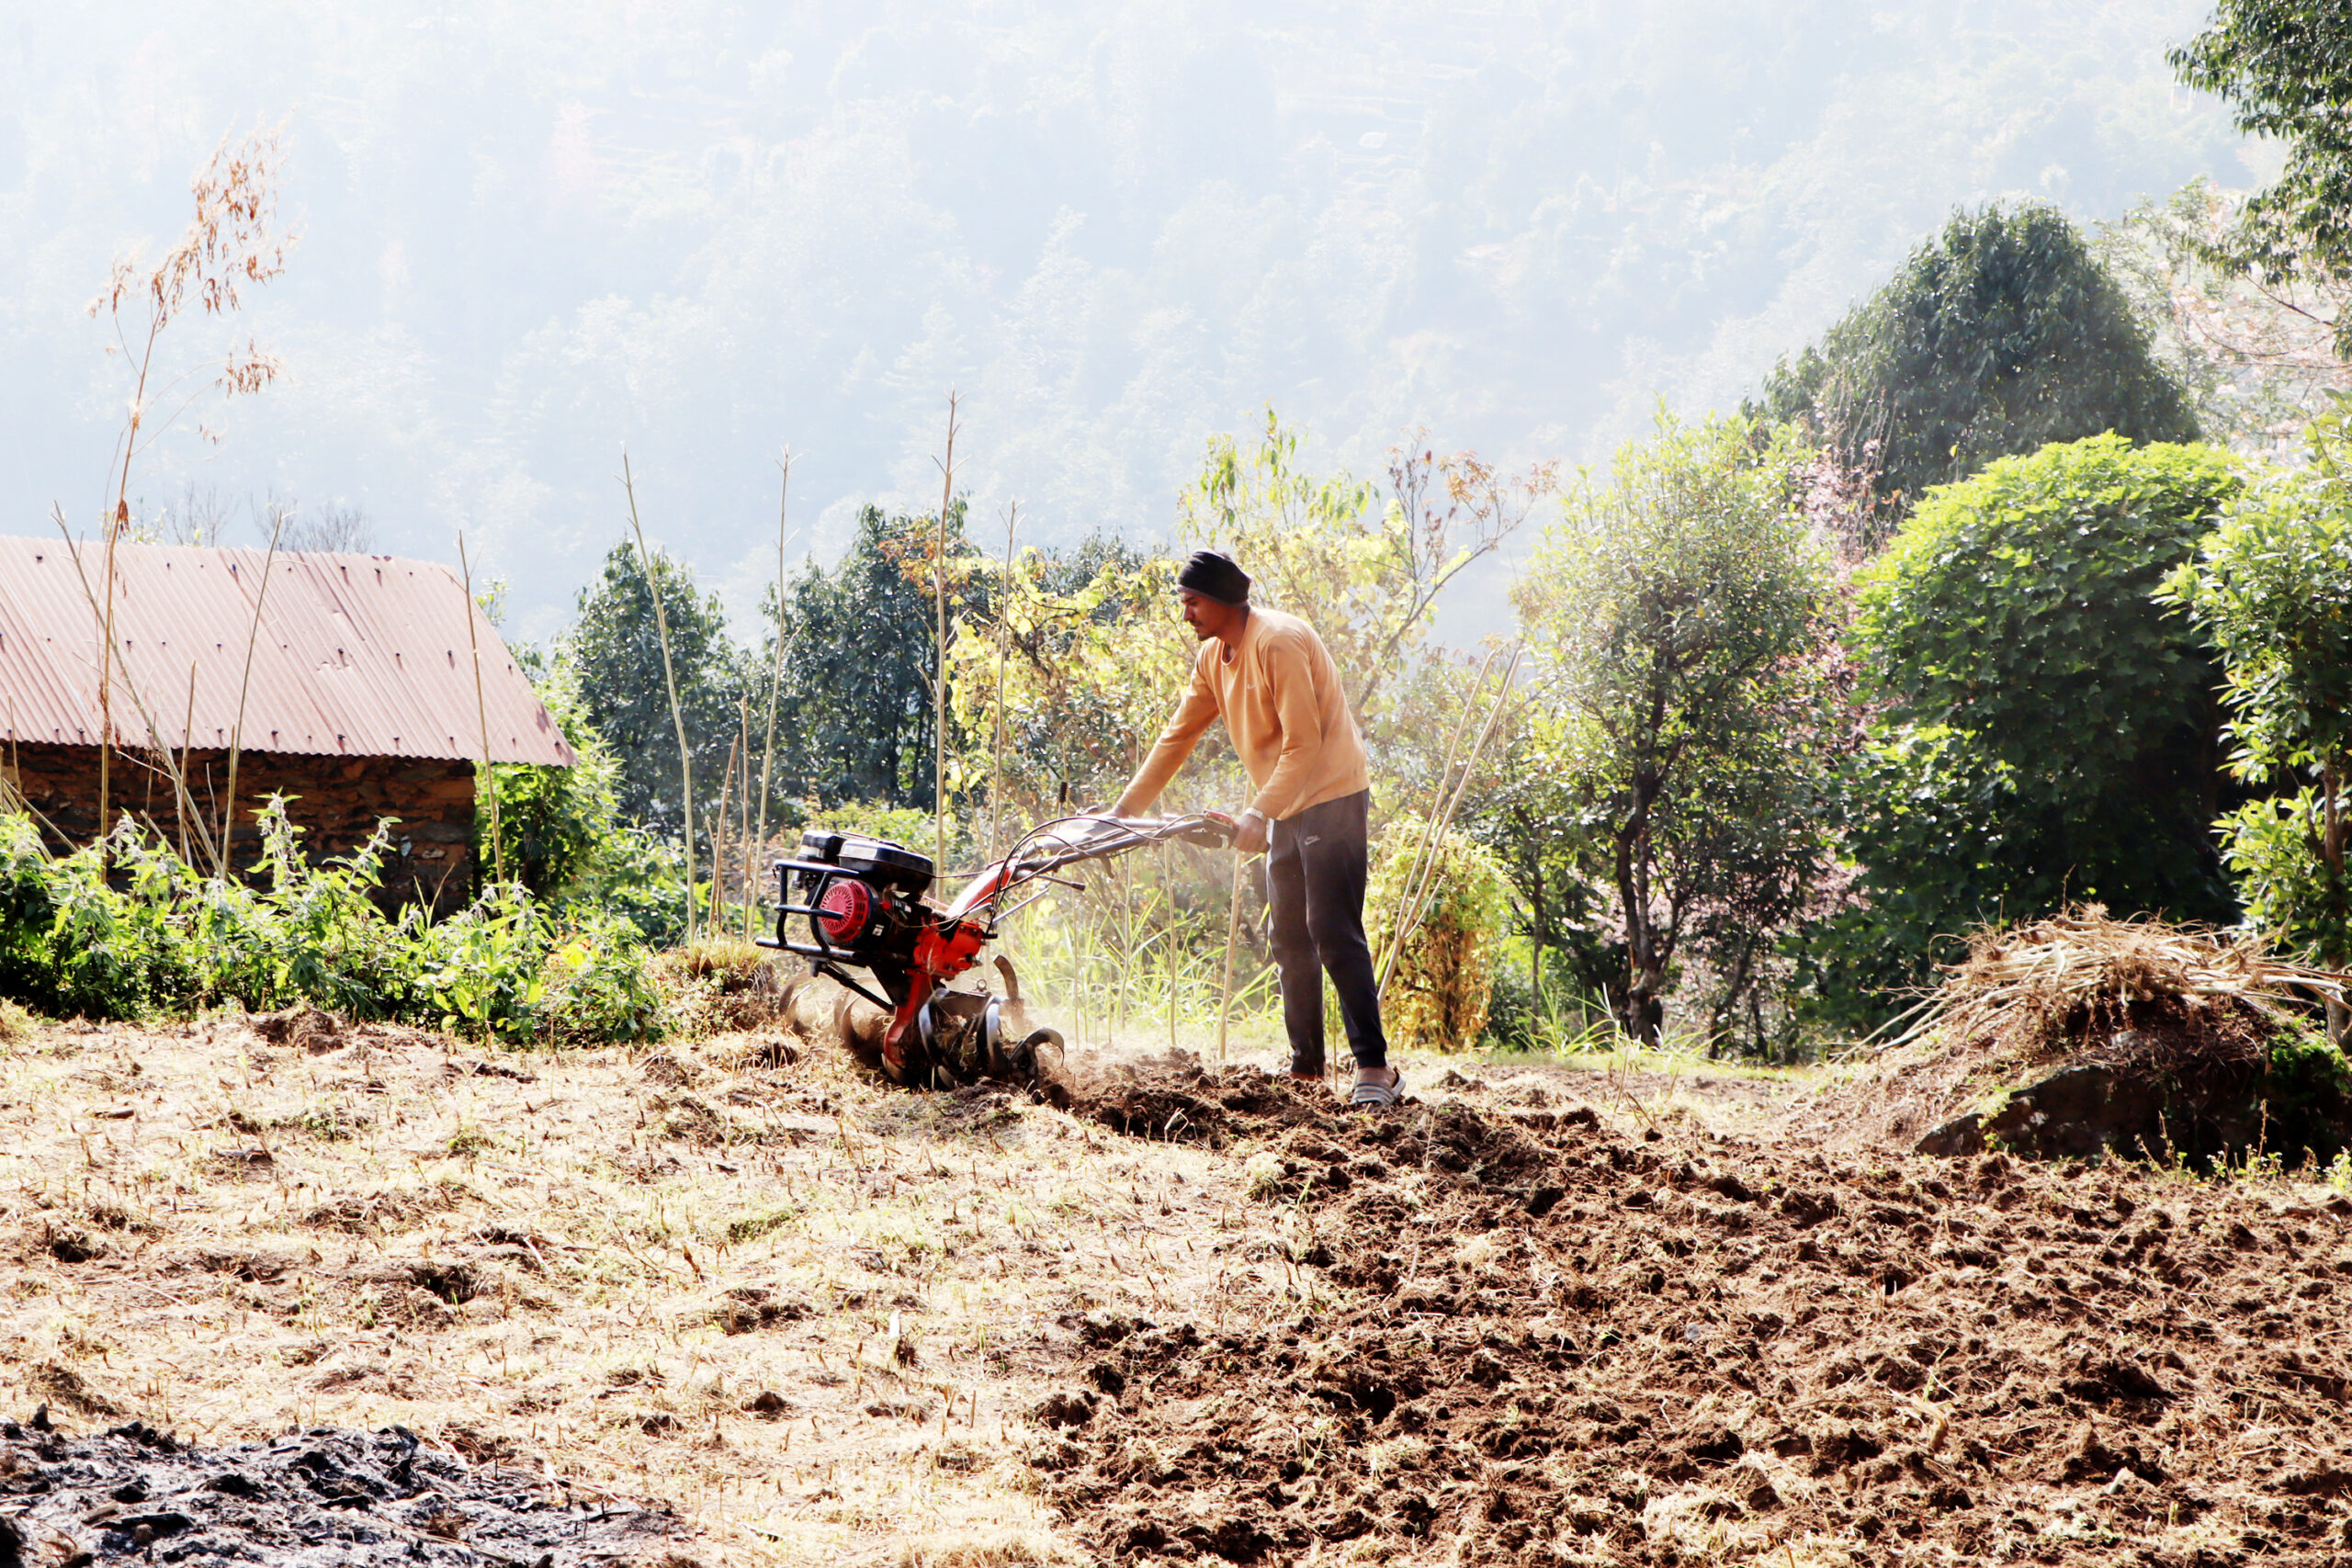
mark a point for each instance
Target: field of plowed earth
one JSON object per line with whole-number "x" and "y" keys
{"x": 737, "y": 1304}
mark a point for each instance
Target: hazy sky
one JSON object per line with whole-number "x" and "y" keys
{"x": 533, "y": 232}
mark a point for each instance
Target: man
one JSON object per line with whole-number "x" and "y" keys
{"x": 1273, "y": 682}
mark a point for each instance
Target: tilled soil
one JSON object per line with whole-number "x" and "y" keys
{"x": 1540, "y": 1341}
{"x": 1172, "y": 1099}
{"x": 323, "y": 1498}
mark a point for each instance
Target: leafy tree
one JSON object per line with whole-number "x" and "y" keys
{"x": 1365, "y": 573}
{"x": 1091, "y": 664}
{"x": 2272, "y": 587}
{"x": 618, "y": 654}
{"x": 2285, "y": 67}
{"x": 1677, "y": 619}
{"x": 855, "y": 716}
{"x": 2257, "y": 355}
{"x": 2049, "y": 729}
{"x": 1998, "y": 337}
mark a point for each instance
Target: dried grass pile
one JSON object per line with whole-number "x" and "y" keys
{"x": 2079, "y": 1031}
{"x": 2079, "y": 980}
{"x": 717, "y": 985}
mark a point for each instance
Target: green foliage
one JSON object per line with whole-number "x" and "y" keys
{"x": 614, "y": 653}
{"x": 1444, "y": 975}
{"x": 2000, "y": 335}
{"x": 2272, "y": 588}
{"x": 504, "y": 967}
{"x": 2050, "y": 730}
{"x": 2285, "y": 68}
{"x": 861, "y": 645}
{"x": 638, "y": 877}
{"x": 1092, "y": 664}
{"x": 555, "y": 824}
{"x": 1680, "y": 622}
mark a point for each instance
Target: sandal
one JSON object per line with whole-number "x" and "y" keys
{"x": 1372, "y": 1091}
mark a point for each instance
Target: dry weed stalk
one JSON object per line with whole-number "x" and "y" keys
{"x": 946, "y": 466}
{"x": 1003, "y": 644}
{"x": 482, "y": 711}
{"x": 245, "y": 686}
{"x": 775, "y": 676}
{"x": 1422, "y": 871}
{"x": 155, "y": 738}
{"x": 670, "y": 679}
{"x": 229, "y": 243}
{"x": 718, "y": 839}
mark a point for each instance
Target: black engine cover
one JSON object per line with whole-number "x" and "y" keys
{"x": 876, "y": 861}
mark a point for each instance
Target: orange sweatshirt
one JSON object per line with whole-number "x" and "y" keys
{"x": 1280, "y": 696}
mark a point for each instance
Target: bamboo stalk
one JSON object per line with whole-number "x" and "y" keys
{"x": 670, "y": 679}
{"x": 1412, "y": 918}
{"x": 939, "y": 680}
{"x": 482, "y": 711}
{"x": 1436, "y": 801}
{"x": 245, "y": 686}
{"x": 775, "y": 676}
{"x": 188, "y": 730}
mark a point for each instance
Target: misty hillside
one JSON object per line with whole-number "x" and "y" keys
{"x": 534, "y": 233}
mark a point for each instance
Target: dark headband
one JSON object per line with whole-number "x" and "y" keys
{"x": 1215, "y": 575}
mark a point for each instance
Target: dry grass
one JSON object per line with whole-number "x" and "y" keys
{"x": 809, "y": 1311}
{"x": 2016, "y": 984}
{"x": 717, "y": 985}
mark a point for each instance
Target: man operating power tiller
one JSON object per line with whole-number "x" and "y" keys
{"x": 1273, "y": 682}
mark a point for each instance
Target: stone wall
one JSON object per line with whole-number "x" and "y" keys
{"x": 336, "y": 800}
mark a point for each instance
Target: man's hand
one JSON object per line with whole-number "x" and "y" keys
{"x": 1249, "y": 833}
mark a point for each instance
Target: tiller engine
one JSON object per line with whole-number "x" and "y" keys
{"x": 865, "y": 903}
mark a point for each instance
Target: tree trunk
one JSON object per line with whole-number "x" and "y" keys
{"x": 1642, "y": 1006}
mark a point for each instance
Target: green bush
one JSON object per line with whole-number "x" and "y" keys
{"x": 2050, "y": 730}
{"x": 1999, "y": 335}
{"x": 555, "y": 826}
{"x": 1444, "y": 977}
{"x": 126, "y": 929}
{"x": 2272, "y": 587}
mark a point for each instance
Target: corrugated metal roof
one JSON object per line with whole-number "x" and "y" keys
{"x": 360, "y": 656}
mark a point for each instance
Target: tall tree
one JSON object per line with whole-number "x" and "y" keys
{"x": 2285, "y": 68}
{"x": 856, "y": 710}
{"x": 1999, "y": 335}
{"x": 617, "y": 654}
{"x": 1677, "y": 617}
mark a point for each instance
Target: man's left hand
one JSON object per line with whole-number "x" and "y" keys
{"x": 1249, "y": 833}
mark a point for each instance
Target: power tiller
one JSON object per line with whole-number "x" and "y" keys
{"x": 866, "y": 903}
